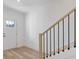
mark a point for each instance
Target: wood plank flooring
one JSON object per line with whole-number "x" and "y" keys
{"x": 20, "y": 53}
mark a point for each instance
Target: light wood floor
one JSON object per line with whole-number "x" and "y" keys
{"x": 20, "y": 53}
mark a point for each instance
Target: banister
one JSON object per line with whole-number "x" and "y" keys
{"x": 44, "y": 51}
{"x": 59, "y": 20}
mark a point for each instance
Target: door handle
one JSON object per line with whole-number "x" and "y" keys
{"x": 4, "y": 34}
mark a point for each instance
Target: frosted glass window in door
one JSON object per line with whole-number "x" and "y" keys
{"x": 10, "y": 23}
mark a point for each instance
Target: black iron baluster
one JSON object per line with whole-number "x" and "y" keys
{"x": 75, "y": 28}
{"x": 63, "y": 35}
{"x": 68, "y": 33}
{"x": 58, "y": 38}
{"x": 50, "y": 42}
{"x": 47, "y": 44}
{"x": 54, "y": 39}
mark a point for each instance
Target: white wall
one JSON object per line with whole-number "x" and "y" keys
{"x": 41, "y": 17}
{"x": 11, "y": 14}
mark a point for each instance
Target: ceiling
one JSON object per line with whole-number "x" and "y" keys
{"x": 28, "y": 2}
{"x": 25, "y": 5}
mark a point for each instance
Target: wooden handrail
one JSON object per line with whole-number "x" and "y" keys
{"x": 60, "y": 20}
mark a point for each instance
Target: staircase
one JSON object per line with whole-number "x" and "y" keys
{"x": 50, "y": 42}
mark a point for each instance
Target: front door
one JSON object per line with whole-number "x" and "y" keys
{"x": 9, "y": 34}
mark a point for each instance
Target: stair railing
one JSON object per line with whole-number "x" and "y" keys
{"x": 43, "y": 37}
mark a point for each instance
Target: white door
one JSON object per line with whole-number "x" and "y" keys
{"x": 9, "y": 35}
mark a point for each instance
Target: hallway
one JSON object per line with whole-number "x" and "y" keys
{"x": 33, "y": 28}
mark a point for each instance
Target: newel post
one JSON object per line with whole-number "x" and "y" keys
{"x": 40, "y": 46}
